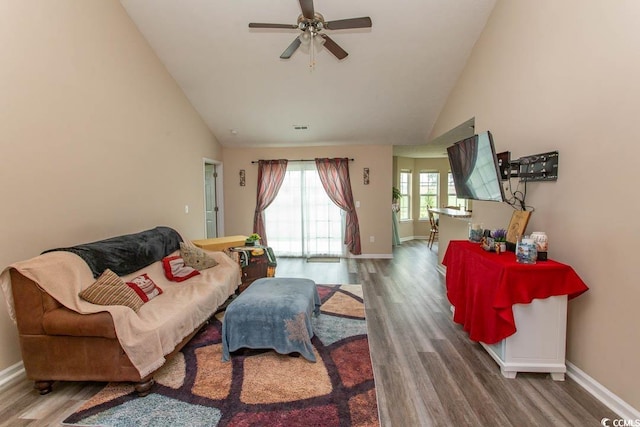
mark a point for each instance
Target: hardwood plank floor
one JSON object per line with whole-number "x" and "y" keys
{"x": 428, "y": 373}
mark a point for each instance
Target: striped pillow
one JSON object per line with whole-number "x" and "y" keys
{"x": 176, "y": 270}
{"x": 110, "y": 289}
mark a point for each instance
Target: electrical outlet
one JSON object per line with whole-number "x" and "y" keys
{"x": 372, "y": 239}
{"x": 186, "y": 209}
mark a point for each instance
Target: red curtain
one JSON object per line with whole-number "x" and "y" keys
{"x": 334, "y": 175}
{"x": 270, "y": 176}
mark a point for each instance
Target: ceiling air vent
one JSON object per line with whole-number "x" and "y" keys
{"x": 300, "y": 127}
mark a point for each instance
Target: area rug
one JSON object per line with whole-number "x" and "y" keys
{"x": 257, "y": 388}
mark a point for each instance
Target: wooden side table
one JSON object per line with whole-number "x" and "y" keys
{"x": 256, "y": 262}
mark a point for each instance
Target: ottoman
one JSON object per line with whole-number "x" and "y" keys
{"x": 272, "y": 313}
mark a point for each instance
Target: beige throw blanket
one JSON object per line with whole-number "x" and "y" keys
{"x": 154, "y": 331}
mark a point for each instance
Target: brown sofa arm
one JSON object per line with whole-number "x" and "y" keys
{"x": 62, "y": 321}
{"x": 38, "y": 313}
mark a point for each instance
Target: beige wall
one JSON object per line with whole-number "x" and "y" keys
{"x": 374, "y": 213}
{"x": 552, "y": 75}
{"x": 96, "y": 138}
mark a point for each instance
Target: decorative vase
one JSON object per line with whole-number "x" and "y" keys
{"x": 542, "y": 244}
{"x": 526, "y": 252}
{"x": 503, "y": 246}
{"x": 476, "y": 232}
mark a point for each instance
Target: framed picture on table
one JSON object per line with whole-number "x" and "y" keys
{"x": 517, "y": 226}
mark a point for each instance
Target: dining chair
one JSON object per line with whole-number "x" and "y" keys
{"x": 433, "y": 232}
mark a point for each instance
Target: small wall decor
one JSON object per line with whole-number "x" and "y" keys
{"x": 365, "y": 176}
{"x": 242, "y": 178}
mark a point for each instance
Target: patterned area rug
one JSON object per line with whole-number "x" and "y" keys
{"x": 257, "y": 388}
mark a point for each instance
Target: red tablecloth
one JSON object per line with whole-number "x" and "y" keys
{"x": 483, "y": 286}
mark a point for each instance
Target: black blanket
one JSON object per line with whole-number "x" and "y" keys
{"x": 128, "y": 253}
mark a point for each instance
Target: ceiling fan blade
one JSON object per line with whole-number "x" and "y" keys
{"x": 295, "y": 44}
{"x": 307, "y": 9}
{"x": 343, "y": 24}
{"x": 260, "y": 25}
{"x": 333, "y": 47}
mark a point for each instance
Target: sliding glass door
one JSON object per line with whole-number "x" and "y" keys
{"x": 302, "y": 220}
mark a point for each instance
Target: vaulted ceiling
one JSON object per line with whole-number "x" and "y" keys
{"x": 389, "y": 90}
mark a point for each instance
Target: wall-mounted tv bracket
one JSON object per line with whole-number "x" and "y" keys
{"x": 503, "y": 164}
{"x": 508, "y": 169}
{"x": 515, "y": 169}
{"x": 539, "y": 167}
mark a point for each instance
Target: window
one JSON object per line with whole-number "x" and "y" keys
{"x": 302, "y": 220}
{"x": 405, "y": 195}
{"x": 428, "y": 192}
{"x": 452, "y": 198}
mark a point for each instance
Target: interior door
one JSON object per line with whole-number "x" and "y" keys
{"x": 211, "y": 206}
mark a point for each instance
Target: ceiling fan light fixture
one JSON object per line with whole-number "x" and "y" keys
{"x": 312, "y": 23}
{"x": 305, "y": 38}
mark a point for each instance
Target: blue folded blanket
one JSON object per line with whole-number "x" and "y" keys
{"x": 273, "y": 313}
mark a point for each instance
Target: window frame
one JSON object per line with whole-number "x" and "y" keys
{"x": 423, "y": 213}
{"x": 405, "y": 194}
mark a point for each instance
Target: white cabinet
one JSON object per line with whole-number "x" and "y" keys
{"x": 540, "y": 341}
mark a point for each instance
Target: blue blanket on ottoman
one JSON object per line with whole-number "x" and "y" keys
{"x": 272, "y": 313}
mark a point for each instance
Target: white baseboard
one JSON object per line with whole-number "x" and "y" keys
{"x": 12, "y": 375}
{"x": 604, "y": 395}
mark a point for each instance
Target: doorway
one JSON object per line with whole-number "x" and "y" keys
{"x": 213, "y": 214}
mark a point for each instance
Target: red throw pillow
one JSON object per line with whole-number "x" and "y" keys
{"x": 176, "y": 270}
{"x": 145, "y": 287}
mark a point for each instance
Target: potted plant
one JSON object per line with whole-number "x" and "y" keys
{"x": 500, "y": 238}
{"x": 395, "y": 194}
{"x": 395, "y": 197}
{"x": 253, "y": 240}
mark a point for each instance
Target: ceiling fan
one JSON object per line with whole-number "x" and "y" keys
{"x": 311, "y": 23}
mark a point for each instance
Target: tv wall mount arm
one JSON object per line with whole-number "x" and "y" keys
{"x": 537, "y": 167}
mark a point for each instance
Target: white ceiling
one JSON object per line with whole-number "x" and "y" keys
{"x": 389, "y": 90}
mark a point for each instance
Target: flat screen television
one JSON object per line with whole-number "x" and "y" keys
{"x": 474, "y": 167}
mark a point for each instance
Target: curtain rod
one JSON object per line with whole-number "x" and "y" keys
{"x": 297, "y": 160}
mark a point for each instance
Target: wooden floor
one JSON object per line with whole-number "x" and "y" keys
{"x": 427, "y": 371}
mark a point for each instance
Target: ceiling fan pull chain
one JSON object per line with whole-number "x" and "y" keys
{"x": 312, "y": 54}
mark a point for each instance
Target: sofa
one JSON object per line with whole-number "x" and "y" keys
{"x": 64, "y": 337}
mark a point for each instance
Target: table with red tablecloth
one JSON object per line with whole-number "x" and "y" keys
{"x": 483, "y": 287}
